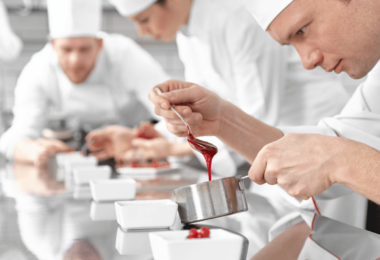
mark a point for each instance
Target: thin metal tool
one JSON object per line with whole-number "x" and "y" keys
{"x": 85, "y": 147}
{"x": 159, "y": 92}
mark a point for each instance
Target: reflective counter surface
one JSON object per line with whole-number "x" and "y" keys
{"x": 44, "y": 217}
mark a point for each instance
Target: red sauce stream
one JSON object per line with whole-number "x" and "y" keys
{"x": 204, "y": 148}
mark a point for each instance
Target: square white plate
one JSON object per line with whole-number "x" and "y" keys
{"x": 113, "y": 190}
{"x": 61, "y": 157}
{"x": 83, "y": 175}
{"x": 144, "y": 214}
{"x": 173, "y": 245}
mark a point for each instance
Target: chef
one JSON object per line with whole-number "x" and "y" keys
{"x": 303, "y": 165}
{"x": 224, "y": 49}
{"x": 94, "y": 77}
{"x": 10, "y": 43}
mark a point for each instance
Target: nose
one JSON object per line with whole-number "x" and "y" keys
{"x": 74, "y": 58}
{"x": 311, "y": 58}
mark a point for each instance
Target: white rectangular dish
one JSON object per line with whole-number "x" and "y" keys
{"x": 113, "y": 190}
{"x": 130, "y": 171}
{"x": 83, "y": 175}
{"x": 135, "y": 242}
{"x": 144, "y": 214}
{"x": 102, "y": 211}
{"x": 77, "y": 162}
{"x": 61, "y": 157}
{"x": 173, "y": 245}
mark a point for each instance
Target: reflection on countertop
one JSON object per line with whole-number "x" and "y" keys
{"x": 45, "y": 217}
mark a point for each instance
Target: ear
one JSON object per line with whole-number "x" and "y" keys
{"x": 100, "y": 43}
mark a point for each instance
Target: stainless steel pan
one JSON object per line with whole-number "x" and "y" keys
{"x": 211, "y": 199}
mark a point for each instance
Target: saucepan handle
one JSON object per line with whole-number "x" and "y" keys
{"x": 241, "y": 182}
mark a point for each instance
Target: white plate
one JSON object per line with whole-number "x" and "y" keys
{"x": 173, "y": 245}
{"x": 61, "y": 157}
{"x": 76, "y": 162}
{"x": 134, "y": 242}
{"x": 146, "y": 214}
{"x": 83, "y": 175}
{"x": 113, "y": 190}
{"x": 102, "y": 211}
{"x": 147, "y": 170}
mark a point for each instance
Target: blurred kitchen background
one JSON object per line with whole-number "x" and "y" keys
{"x": 29, "y": 20}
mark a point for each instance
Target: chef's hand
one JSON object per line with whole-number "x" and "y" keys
{"x": 303, "y": 164}
{"x": 200, "y": 107}
{"x": 110, "y": 141}
{"x": 38, "y": 151}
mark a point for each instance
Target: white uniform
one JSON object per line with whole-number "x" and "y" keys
{"x": 10, "y": 44}
{"x": 225, "y": 50}
{"x": 115, "y": 92}
{"x": 359, "y": 121}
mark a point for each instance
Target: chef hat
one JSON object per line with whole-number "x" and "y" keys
{"x": 131, "y": 7}
{"x": 74, "y": 18}
{"x": 265, "y": 11}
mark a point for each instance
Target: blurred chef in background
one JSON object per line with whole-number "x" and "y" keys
{"x": 10, "y": 43}
{"x": 224, "y": 49}
{"x": 95, "y": 77}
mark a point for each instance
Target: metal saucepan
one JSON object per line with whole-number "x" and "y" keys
{"x": 211, "y": 199}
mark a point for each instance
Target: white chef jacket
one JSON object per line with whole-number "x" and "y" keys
{"x": 116, "y": 91}
{"x": 359, "y": 121}
{"x": 10, "y": 43}
{"x": 225, "y": 50}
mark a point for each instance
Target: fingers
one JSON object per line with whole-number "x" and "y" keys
{"x": 189, "y": 116}
{"x": 257, "y": 171}
{"x": 174, "y": 92}
{"x": 190, "y": 94}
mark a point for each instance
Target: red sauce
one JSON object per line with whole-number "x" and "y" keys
{"x": 206, "y": 149}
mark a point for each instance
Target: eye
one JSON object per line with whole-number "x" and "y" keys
{"x": 145, "y": 20}
{"x": 302, "y": 31}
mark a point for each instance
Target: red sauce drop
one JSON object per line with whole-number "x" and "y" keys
{"x": 206, "y": 149}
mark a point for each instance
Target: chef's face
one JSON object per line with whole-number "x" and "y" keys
{"x": 339, "y": 35}
{"x": 163, "y": 19}
{"x": 77, "y": 56}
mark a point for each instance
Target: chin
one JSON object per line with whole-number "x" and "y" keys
{"x": 357, "y": 74}
{"x": 76, "y": 80}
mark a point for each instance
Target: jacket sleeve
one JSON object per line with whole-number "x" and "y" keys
{"x": 29, "y": 110}
{"x": 360, "y": 118}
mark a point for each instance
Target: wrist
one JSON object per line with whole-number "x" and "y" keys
{"x": 225, "y": 118}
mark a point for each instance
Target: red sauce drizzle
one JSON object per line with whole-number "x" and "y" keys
{"x": 205, "y": 148}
